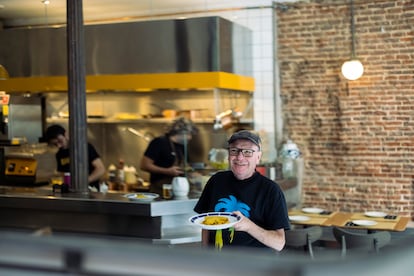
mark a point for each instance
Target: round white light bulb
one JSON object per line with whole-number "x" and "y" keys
{"x": 352, "y": 69}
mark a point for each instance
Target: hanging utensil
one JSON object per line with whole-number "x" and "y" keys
{"x": 146, "y": 136}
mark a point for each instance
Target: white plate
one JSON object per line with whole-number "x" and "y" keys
{"x": 299, "y": 218}
{"x": 375, "y": 214}
{"x": 363, "y": 222}
{"x": 312, "y": 210}
{"x": 142, "y": 197}
{"x": 198, "y": 220}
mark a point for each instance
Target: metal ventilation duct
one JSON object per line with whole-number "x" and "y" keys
{"x": 190, "y": 45}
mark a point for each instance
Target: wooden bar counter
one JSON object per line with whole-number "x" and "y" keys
{"x": 159, "y": 221}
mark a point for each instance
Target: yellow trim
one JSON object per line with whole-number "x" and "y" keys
{"x": 134, "y": 82}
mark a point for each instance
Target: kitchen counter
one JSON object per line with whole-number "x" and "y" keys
{"x": 159, "y": 221}
{"x": 111, "y": 214}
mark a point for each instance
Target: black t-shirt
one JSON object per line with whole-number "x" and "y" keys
{"x": 63, "y": 164}
{"x": 164, "y": 153}
{"x": 258, "y": 198}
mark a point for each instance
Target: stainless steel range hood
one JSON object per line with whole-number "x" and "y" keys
{"x": 208, "y": 44}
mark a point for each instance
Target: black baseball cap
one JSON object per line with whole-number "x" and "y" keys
{"x": 246, "y": 135}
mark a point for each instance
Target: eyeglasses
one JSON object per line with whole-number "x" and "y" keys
{"x": 245, "y": 152}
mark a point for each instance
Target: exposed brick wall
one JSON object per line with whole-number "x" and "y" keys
{"x": 357, "y": 137}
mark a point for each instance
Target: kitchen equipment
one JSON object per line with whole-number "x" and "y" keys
{"x": 169, "y": 113}
{"x": 226, "y": 118}
{"x": 288, "y": 156}
{"x": 17, "y": 170}
{"x": 25, "y": 165}
{"x": 146, "y": 136}
{"x": 218, "y": 158}
{"x": 130, "y": 175}
{"x": 20, "y": 116}
{"x": 180, "y": 187}
{"x": 192, "y": 114}
{"x": 20, "y": 124}
{"x": 271, "y": 170}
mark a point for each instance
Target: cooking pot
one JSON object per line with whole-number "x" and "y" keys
{"x": 192, "y": 114}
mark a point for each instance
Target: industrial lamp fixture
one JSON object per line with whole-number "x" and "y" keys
{"x": 353, "y": 68}
{"x": 46, "y": 3}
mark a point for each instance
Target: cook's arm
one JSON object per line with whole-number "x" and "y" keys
{"x": 147, "y": 164}
{"x": 98, "y": 171}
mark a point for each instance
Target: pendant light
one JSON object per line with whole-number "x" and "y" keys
{"x": 353, "y": 68}
{"x": 46, "y": 3}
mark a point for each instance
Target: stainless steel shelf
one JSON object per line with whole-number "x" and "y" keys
{"x": 143, "y": 120}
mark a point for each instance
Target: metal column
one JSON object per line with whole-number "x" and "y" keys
{"x": 77, "y": 97}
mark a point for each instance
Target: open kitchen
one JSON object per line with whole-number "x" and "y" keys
{"x": 126, "y": 108}
{"x": 128, "y": 103}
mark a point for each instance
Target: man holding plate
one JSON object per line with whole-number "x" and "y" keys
{"x": 246, "y": 193}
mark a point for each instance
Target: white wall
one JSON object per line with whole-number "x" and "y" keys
{"x": 260, "y": 21}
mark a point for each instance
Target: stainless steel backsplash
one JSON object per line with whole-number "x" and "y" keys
{"x": 113, "y": 140}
